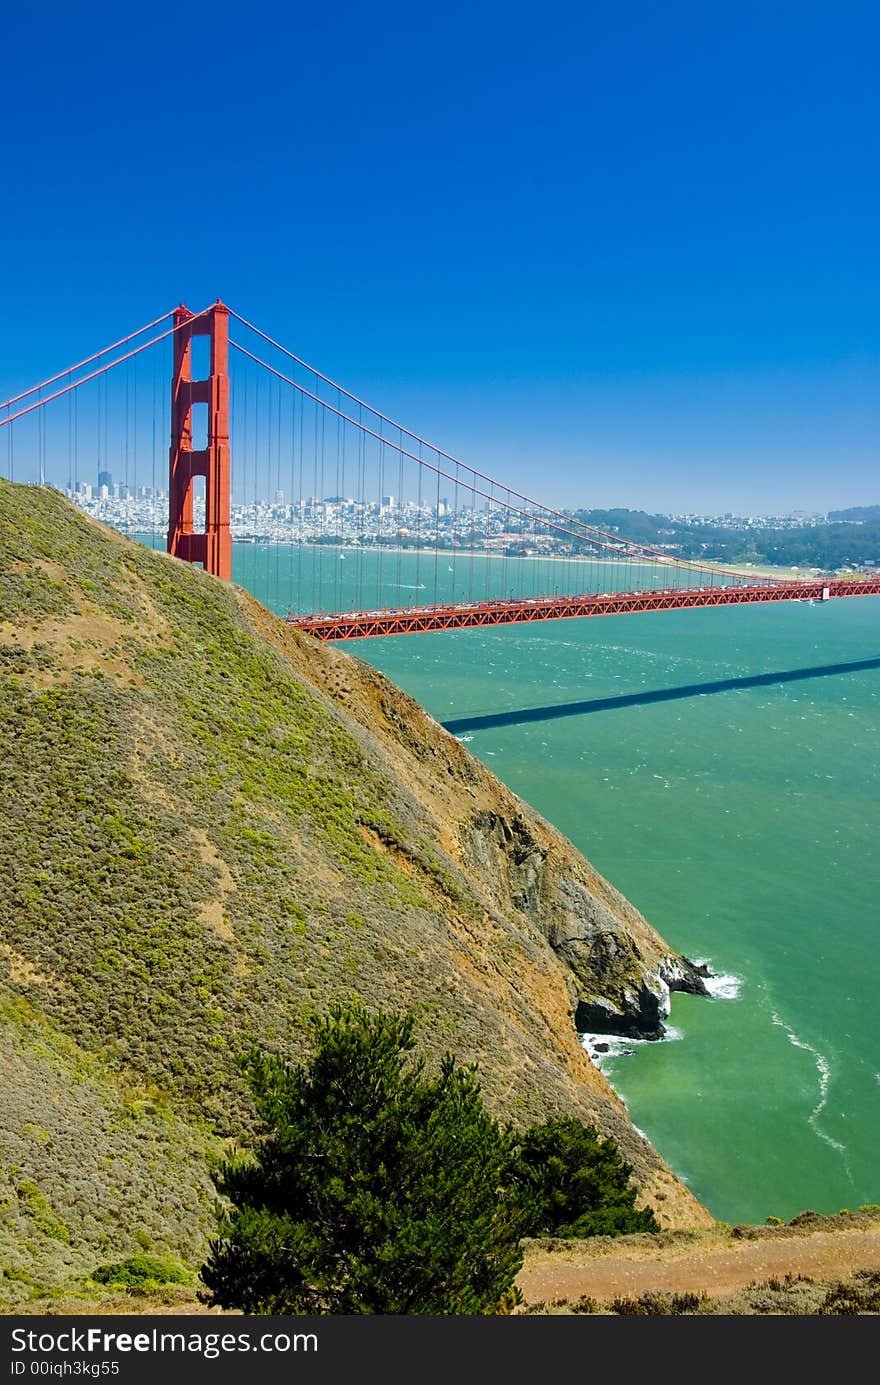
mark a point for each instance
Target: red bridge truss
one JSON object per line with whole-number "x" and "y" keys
{"x": 467, "y": 616}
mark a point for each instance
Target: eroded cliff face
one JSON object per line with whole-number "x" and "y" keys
{"x": 619, "y": 970}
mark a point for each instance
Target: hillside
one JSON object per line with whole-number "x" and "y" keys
{"x": 212, "y": 827}
{"x": 848, "y": 538}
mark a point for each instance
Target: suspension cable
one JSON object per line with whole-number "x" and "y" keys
{"x": 123, "y": 341}
{"x": 102, "y": 370}
{"x": 602, "y": 540}
{"x": 568, "y": 520}
{"x": 385, "y": 419}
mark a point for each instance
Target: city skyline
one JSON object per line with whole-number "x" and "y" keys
{"x": 614, "y": 260}
{"x": 104, "y": 498}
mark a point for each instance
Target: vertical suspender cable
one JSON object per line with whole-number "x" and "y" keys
{"x": 245, "y": 456}
{"x": 399, "y": 502}
{"x": 300, "y": 601}
{"x": 125, "y": 442}
{"x": 471, "y": 593}
{"x": 273, "y": 496}
{"x": 289, "y": 498}
{"x": 135, "y": 429}
{"x": 346, "y": 517}
{"x": 154, "y": 499}
{"x": 362, "y": 507}
{"x": 454, "y": 533}
{"x": 322, "y": 495}
{"x": 257, "y": 443}
{"x": 71, "y": 490}
{"x": 381, "y": 457}
{"x": 436, "y": 596}
{"x": 421, "y": 475}
{"x": 313, "y": 499}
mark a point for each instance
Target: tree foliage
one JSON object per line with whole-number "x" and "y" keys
{"x": 579, "y": 1183}
{"x": 378, "y": 1189}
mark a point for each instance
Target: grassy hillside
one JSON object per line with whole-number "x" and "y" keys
{"x": 212, "y": 827}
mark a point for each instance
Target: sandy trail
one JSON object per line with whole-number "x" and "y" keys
{"x": 716, "y": 1267}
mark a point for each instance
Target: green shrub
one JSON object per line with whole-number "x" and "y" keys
{"x": 659, "y": 1305}
{"x": 860, "y": 1295}
{"x": 140, "y": 1272}
{"x": 579, "y": 1183}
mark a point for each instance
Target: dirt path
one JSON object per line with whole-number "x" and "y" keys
{"x": 715, "y": 1263}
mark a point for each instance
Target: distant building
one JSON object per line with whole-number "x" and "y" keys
{"x": 105, "y": 479}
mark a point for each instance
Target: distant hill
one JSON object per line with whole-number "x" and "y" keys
{"x": 858, "y": 514}
{"x": 852, "y": 541}
{"x": 213, "y": 826}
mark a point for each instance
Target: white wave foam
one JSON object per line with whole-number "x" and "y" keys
{"x": 464, "y": 739}
{"x": 720, "y": 985}
{"x": 824, "y": 1071}
{"x": 620, "y": 1045}
{"x": 723, "y": 987}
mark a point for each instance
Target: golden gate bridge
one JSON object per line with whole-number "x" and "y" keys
{"x": 265, "y": 449}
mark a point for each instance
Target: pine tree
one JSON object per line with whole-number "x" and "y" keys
{"x": 377, "y": 1188}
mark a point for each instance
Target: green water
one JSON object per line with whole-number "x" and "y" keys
{"x": 742, "y": 823}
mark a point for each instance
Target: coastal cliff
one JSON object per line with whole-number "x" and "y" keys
{"x": 620, "y": 972}
{"x": 214, "y": 827}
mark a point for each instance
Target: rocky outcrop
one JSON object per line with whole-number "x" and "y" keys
{"x": 616, "y": 987}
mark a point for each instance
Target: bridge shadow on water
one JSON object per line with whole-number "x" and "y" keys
{"x": 609, "y": 704}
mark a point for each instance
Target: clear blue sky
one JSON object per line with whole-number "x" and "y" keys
{"x": 614, "y": 254}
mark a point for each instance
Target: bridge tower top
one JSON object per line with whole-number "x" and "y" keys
{"x": 213, "y": 546}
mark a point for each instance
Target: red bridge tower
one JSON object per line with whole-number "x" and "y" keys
{"x": 213, "y": 548}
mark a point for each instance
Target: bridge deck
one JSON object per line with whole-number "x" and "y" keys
{"x": 412, "y": 620}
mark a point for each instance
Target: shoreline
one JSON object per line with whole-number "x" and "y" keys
{"x": 687, "y": 565}
{"x": 723, "y": 569}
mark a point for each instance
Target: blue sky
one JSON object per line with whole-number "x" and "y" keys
{"x": 613, "y": 254}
